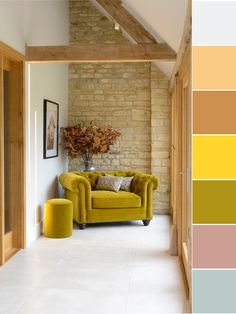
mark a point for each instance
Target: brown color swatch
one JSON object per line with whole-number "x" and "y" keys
{"x": 214, "y": 112}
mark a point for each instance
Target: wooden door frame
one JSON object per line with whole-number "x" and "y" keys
{"x": 8, "y": 53}
{"x": 183, "y": 71}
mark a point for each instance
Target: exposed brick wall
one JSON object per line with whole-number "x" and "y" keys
{"x": 131, "y": 96}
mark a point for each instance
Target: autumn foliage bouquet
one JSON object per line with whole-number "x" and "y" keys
{"x": 80, "y": 141}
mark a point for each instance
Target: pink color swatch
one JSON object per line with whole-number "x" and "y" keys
{"x": 214, "y": 246}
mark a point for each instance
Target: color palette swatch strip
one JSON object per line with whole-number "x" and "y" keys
{"x": 214, "y": 159}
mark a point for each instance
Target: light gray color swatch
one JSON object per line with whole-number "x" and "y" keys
{"x": 214, "y": 23}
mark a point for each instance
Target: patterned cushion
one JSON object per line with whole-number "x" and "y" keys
{"x": 109, "y": 183}
{"x": 126, "y": 183}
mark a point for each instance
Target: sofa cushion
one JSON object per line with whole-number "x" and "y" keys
{"x": 110, "y": 183}
{"x": 121, "y": 199}
{"x": 125, "y": 184}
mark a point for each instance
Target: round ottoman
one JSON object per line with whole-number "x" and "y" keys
{"x": 58, "y": 218}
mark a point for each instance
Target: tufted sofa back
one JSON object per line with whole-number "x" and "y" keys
{"x": 92, "y": 177}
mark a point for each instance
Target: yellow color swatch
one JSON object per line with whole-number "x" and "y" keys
{"x": 214, "y": 67}
{"x": 214, "y": 157}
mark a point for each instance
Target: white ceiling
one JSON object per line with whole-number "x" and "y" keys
{"x": 164, "y": 19}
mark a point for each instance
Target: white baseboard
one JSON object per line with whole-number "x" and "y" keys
{"x": 33, "y": 233}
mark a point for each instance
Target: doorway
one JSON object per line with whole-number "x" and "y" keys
{"x": 12, "y": 193}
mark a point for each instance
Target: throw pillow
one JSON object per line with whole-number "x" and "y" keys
{"x": 126, "y": 184}
{"x": 110, "y": 183}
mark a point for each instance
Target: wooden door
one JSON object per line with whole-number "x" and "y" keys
{"x": 11, "y": 154}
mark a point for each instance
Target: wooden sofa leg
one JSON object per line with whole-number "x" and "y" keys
{"x": 146, "y": 222}
{"x": 82, "y": 226}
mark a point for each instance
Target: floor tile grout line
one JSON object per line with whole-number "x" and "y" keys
{"x": 132, "y": 271}
{"x": 136, "y": 253}
{"x": 46, "y": 273}
{"x": 30, "y": 295}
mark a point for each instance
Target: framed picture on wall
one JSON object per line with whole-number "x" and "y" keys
{"x": 50, "y": 129}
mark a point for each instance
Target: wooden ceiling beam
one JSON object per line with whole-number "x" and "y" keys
{"x": 99, "y": 53}
{"x": 127, "y": 21}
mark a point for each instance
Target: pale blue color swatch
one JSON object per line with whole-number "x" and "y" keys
{"x": 214, "y": 291}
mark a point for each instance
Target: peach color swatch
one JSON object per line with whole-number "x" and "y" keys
{"x": 214, "y": 67}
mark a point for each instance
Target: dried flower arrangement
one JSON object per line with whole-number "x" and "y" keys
{"x": 80, "y": 141}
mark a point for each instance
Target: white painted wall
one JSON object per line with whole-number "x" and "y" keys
{"x": 47, "y": 81}
{"x": 46, "y": 22}
{"x": 12, "y": 25}
{"x": 35, "y": 22}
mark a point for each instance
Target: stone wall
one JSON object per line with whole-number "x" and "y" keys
{"x": 160, "y": 130}
{"x": 131, "y": 96}
{"x": 116, "y": 94}
{"x": 89, "y": 26}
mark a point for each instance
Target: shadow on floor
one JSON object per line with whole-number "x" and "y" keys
{"x": 110, "y": 224}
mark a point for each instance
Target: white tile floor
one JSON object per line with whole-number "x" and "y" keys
{"x": 121, "y": 268}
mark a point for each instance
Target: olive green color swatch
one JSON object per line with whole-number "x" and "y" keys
{"x": 214, "y": 202}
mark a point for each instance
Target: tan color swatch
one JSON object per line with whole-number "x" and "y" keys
{"x": 214, "y": 67}
{"x": 214, "y": 112}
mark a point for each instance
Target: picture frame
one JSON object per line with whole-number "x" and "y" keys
{"x": 50, "y": 129}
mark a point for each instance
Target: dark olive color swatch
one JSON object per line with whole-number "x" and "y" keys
{"x": 214, "y": 202}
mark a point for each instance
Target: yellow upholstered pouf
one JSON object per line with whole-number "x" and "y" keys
{"x": 58, "y": 218}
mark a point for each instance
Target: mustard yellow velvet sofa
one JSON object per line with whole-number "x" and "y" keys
{"x": 93, "y": 206}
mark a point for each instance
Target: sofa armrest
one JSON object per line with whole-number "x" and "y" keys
{"x": 72, "y": 181}
{"x": 141, "y": 182}
{"x": 79, "y": 185}
{"x": 143, "y": 185}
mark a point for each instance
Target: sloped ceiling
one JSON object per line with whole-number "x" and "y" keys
{"x": 162, "y": 18}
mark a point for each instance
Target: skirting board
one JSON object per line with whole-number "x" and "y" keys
{"x": 33, "y": 233}
{"x": 173, "y": 241}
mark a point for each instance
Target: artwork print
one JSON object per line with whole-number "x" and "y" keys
{"x": 51, "y": 116}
